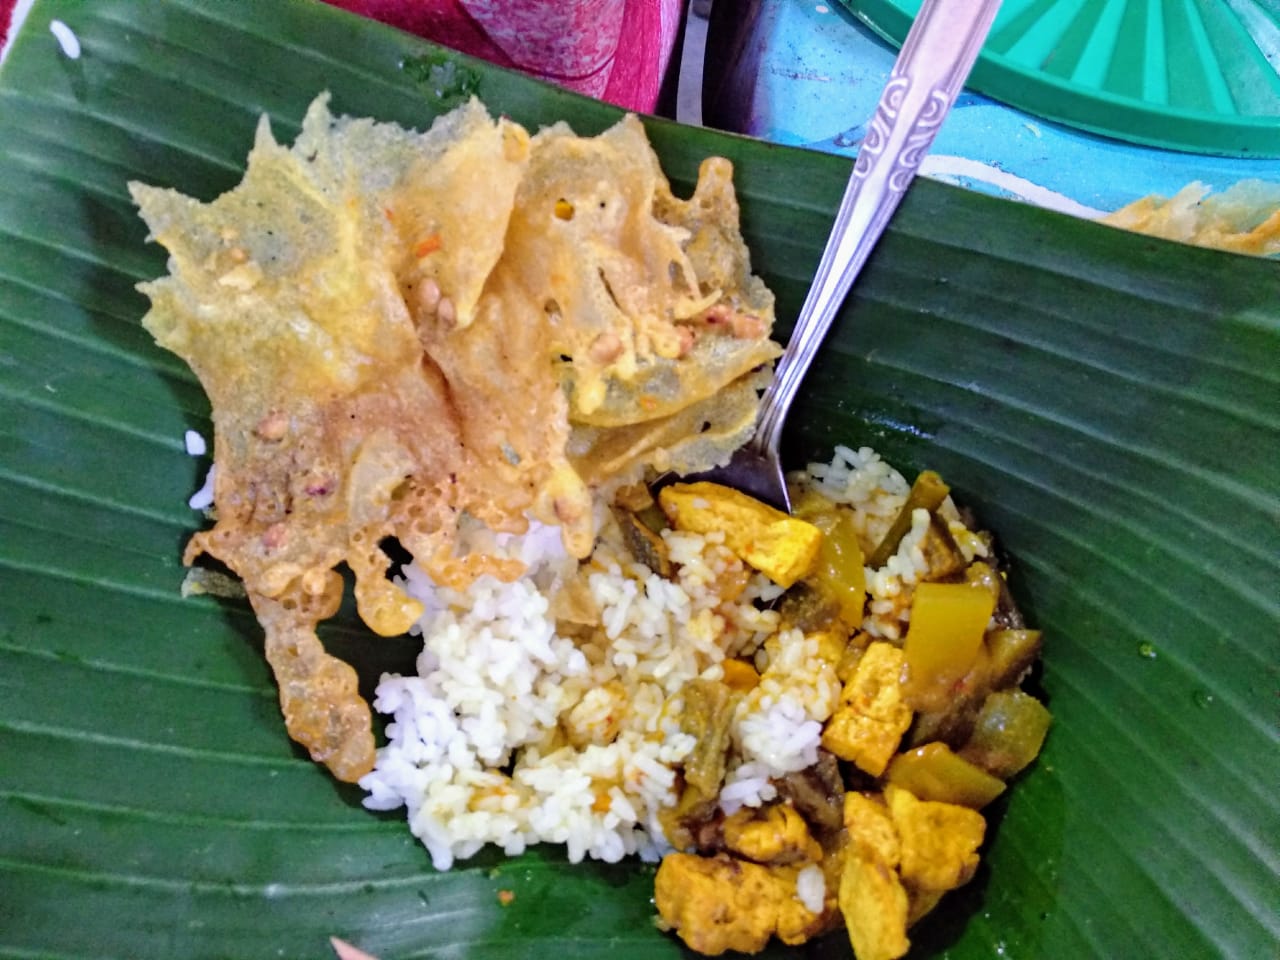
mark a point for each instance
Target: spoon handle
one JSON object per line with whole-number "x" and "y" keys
{"x": 931, "y": 68}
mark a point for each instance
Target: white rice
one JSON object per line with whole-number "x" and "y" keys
{"x": 202, "y": 499}
{"x": 194, "y": 444}
{"x": 873, "y": 490}
{"x": 811, "y": 888}
{"x": 67, "y": 40}
{"x": 513, "y": 733}
{"x": 778, "y": 725}
{"x": 875, "y": 493}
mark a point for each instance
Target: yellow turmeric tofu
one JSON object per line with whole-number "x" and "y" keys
{"x": 872, "y": 898}
{"x": 772, "y": 834}
{"x": 871, "y": 832}
{"x": 920, "y": 903}
{"x": 939, "y": 840}
{"x": 831, "y": 646}
{"x": 796, "y": 924}
{"x": 874, "y": 904}
{"x": 873, "y": 715}
{"x": 716, "y": 904}
{"x": 779, "y": 546}
{"x": 721, "y": 903}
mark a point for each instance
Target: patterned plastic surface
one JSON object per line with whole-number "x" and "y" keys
{"x": 1196, "y": 75}
{"x": 807, "y": 73}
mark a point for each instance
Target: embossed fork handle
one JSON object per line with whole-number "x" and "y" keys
{"x": 931, "y": 68}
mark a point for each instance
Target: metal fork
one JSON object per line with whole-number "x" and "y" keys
{"x": 931, "y": 68}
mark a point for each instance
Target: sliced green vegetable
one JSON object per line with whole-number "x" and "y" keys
{"x": 927, "y": 493}
{"x": 1008, "y": 733}
{"x": 643, "y": 542}
{"x": 708, "y": 711}
{"x": 839, "y": 571}
{"x": 1012, "y": 652}
{"x": 809, "y": 606}
{"x": 942, "y": 557}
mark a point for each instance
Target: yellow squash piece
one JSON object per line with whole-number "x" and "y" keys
{"x": 779, "y": 546}
{"x": 934, "y": 772}
{"x": 839, "y": 571}
{"x": 947, "y": 624}
{"x": 872, "y": 716}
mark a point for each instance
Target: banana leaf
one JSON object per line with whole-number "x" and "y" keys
{"x": 1108, "y": 403}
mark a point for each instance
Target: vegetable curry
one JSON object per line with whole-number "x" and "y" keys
{"x": 927, "y": 731}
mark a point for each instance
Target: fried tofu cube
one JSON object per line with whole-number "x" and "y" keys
{"x": 939, "y": 840}
{"x": 779, "y": 546}
{"x": 870, "y": 828}
{"x": 874, "y": 904}
{"x": 774, "y": 834}
{"x": 871, "y": 895}
{"x": 721, "y": 903}
{"x": 796, "y": 924}
{"x": 715, "y": 904}
{"x": 873, "y": 715}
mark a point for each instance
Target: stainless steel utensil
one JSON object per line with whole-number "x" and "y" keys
{"x": 931, "y": 68}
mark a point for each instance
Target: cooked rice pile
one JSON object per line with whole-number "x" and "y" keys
{"x": 513, "y": 733}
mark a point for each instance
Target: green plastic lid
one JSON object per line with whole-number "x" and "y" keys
{"x": 1195, "y": 75}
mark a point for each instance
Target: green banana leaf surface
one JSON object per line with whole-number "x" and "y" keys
{"x": 1107, "y": 403}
